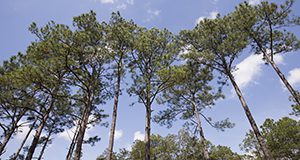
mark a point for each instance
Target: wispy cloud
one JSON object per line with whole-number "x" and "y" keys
{"x": 152, "y": 14}
{"x": 118, "y": 4}
{"x": 254, "y": 2}
{"x": 212, "y": 15}
{"x": 131, "y": 2}
{"x": 138, "y": 135}
{"x": 121, "y": 6}
{"x": 108, "y": 1}
{"x": 294, "y": 77}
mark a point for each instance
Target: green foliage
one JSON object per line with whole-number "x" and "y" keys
{"x": 282, "y": 139}
{"x": 154, "y": 52}
{"x": 182, "y": 146}
{"x": 224, "y": 153}
{"x": 190, "y": 89}
{"x": 270, "y": 34}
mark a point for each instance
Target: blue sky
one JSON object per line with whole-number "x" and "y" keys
{"x": 262, "y": 88}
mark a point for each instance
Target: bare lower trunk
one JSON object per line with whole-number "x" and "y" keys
{"x": 82, "y": 130}
{"x": 72, "y": 146}
{"x": 24, "y": 140}
{"x": 46, "y": 143}
{"x": 114, "y": 118}
{"x": 284, "y": 80}
{"x": 252, "y": 122}
{"x": 38, "y": 133}
{"x": 203, "y": 140}
{"x": 147, "y": 132}
{"x": 10, "y": 132}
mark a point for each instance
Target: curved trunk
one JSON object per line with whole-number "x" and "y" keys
{"x": 114, "y": 116}
{"x": 201, "y": 133}
{"x": 24, "y": 140}
{"x": 284, "y": 80}
{"x": 148, "y": 131}
{"x": 252, "y": 122}
{"x": 82, "y": 129}
{"x": 38, "y": 133}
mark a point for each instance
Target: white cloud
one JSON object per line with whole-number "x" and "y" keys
{"x": 138, "y": 135}
{"x": 248, "y": 70}
{"x": 254, "y": 2}
{"x": 294, "y": 77}
{"x": 24, "y": 129}
{"x": 278, "y": 59}
{"x": 68, "y": 134}
{"x": 22, "y": 132}
{"x": 122, "y": 6}
{"x": 107, "y": 1}
{"x": 131, "y": 2}
{"x": 212, "y": 15}
{"x": 118, "y": 134}
{"x": 153, "y": 12}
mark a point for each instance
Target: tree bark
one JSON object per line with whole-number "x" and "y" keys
{"x": 10, "y": 132}
{"x": 82, "y": 130}
{"x": 252, "y": 122}
{"x": 38, "y": 132}
{"x": 201, "y": 133}
{"x": 24, "y": 140}
{"x": 46, "y": 143}
{"x": 72, "y": 145}
{"x": 148, "y": 131}
{"x": 114, "y": 115}
{"x": 284, "y": 80}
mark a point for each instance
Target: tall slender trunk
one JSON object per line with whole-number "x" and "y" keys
{"x": 10, "y": 132}
{"x": 252, "y": 122}
{"x": 284, "y": 80}
{"x": 38, "y": 132}
{"x": 72, "y": 145}
{"x": 201, "y": 133}
{"x": 24, "y": 140}
{"x": 148, "y": 131}
{"x": 46, "y": 143}
{"x": 82, "y": 129}
{"x": 114, "y": 115}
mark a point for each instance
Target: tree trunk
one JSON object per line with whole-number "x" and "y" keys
{"x": 10, "y": 132}
{"x": 148, "y": 131}
{"x": 71, "y": 148}
{"x": 82, "y": 130}
{"x": 201, "y": 133}
{"x": 6, "y": 138}
{"x": 114, "y": 116}
{"x": 46, "y": 142}
{"x": 24, "y": 140}
{"x": 284, "y": 80}
{"x": 252, "y": 122}
{"x": 38, "y": 133}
